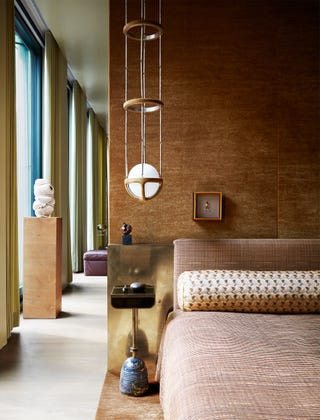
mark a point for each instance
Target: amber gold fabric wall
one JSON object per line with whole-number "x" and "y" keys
{"x": 241, "y": 116}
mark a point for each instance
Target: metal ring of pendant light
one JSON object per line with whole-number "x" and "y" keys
{"x": 143, "y": 105}
{"x": 147, "y": 24}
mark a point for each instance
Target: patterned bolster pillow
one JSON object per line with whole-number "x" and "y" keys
{"x": 249, "y": 291}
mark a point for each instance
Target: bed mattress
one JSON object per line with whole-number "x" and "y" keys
{"x": 247, "y": 365}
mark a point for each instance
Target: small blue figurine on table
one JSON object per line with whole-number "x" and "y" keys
{"x": 126, "y": 234}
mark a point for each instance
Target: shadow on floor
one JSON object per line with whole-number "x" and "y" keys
{"x": 10, "y": 355}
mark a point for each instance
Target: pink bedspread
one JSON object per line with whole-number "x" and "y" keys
{"x": 221, "y": 365}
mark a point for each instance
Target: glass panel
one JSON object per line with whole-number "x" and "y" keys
{"x": 28, "y": 125}
{"x": 23, "y": 133}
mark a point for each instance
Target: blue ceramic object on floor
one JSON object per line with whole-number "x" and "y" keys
{"x": 134, "y": 377}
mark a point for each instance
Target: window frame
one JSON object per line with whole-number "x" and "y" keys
{"x": 31, "y": 40}
{"x": 36, "y": 50}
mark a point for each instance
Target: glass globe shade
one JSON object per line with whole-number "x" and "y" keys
{"x": 142, "y": 172}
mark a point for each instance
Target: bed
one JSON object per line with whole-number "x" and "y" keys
{"x": 243, "y": 340}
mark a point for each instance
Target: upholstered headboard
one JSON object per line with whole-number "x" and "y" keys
{"x": 244, "y": 254}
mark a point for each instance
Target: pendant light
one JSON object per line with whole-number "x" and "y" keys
{"x": 143, "y": 181}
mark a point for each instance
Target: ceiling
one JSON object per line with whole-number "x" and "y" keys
{"x": 80, "y": 27}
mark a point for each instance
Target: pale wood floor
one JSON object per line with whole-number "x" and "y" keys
{"x": 54, "y": 369}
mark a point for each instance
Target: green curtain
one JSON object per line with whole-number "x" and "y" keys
{"x": 102, "y": 186}
{"x": 77, "y": 176}
{"x": 9, "y": 283}
{"x": 96, "y": 176}
{"x": 55, "y": 154}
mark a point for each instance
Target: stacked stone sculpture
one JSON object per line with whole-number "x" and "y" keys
{"x": 44, "y": 202}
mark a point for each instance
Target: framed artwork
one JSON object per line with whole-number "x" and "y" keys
{"x": 207, "y": 206}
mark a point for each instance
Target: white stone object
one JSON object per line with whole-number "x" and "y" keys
{"x": 44, "y": 201}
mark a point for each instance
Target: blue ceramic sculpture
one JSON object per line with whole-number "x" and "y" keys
{"x": 134, "y": 377}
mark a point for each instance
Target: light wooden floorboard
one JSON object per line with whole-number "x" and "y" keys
{"x": 55, "y": 368}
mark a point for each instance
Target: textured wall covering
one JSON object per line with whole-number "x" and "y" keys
{"x": 241, "y": 116}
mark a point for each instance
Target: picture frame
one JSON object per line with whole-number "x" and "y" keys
{"x": 207, "y": 206}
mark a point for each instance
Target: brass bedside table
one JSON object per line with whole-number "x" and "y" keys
{"x": 134, "y": 374}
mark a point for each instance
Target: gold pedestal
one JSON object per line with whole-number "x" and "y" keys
{"x": 146, "y": 263}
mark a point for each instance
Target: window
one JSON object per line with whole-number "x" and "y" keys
{"x": 28, "y": 123}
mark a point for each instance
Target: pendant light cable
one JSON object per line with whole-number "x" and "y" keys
{"x": 160, "y": 94}
{"x": 126, "y": 93}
